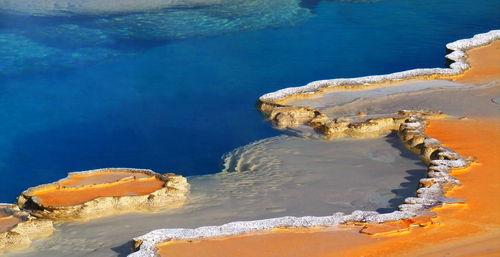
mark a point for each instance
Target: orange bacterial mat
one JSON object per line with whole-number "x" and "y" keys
{"x": 82, "y": 188}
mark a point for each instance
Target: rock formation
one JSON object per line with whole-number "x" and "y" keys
{"x": 102, "y": 192}
{"x": 18, "y": 228}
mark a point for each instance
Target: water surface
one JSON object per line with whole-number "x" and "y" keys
{"x": 173, "y": 90}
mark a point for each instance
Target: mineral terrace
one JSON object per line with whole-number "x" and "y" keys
{"x": 102, "y": 192}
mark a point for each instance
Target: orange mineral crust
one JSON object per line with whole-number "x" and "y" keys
{"x": 472, "y": 229}
{"x": 65, "y": 196}
{"x": 485, "y": 64}
{"x": 100, "y": 178}
{"x": 289, "y": 243}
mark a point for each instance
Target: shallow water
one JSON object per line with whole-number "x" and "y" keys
{"x": 477, "y": 101}
{"x": 268, "y": 178}
{"x": 341, "y": 97}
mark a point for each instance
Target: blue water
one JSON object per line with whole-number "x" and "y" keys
{"x": 82, "y": 96}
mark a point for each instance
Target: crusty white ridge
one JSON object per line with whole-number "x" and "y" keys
{"x": 150, "y": 240}
{"x": 458, "y": 66}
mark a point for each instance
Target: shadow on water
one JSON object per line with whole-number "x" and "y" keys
{"x": 124, "y": 250}
{"x": 406, "y": 189}
{"x": 410, "y": 186}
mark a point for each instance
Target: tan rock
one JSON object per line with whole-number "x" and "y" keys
{"x": 288, "y": 117}
{"x": 18, "y": 228}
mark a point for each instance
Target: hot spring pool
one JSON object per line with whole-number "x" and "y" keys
{"x": 174, "y": 89}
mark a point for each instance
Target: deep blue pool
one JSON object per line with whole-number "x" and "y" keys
{"x": 175, "y": 90}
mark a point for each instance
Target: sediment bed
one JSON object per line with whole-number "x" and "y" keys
{"x": 102, "y": 192}
{"x": 19, "y": 228}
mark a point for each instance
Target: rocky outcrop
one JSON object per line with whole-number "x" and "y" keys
{"x": 18, "y": 228}
{"x": 102, "y": 192}
{"x": 294, "y": 116}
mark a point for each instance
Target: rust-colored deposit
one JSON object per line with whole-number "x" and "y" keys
{"x": 485, "y": 64}
{"x": 78, "y": 189}
{"x": 472, "y": 229}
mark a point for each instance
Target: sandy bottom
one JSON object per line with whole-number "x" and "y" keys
{"x": 80, "y": 189}
{"x": 477, "y": 101}
{"x": 463, "y": 231}
{"x": 339, "y": 97}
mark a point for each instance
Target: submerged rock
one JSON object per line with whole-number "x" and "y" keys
{"x": 19, "y": 228}
{"x": 102, "y": 192}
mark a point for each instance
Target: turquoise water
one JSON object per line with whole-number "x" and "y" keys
{"x": 175, "y": 89}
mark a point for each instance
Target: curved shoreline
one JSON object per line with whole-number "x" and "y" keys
{"x": 458, "y": 66}
{"x": 411, "y": 125}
